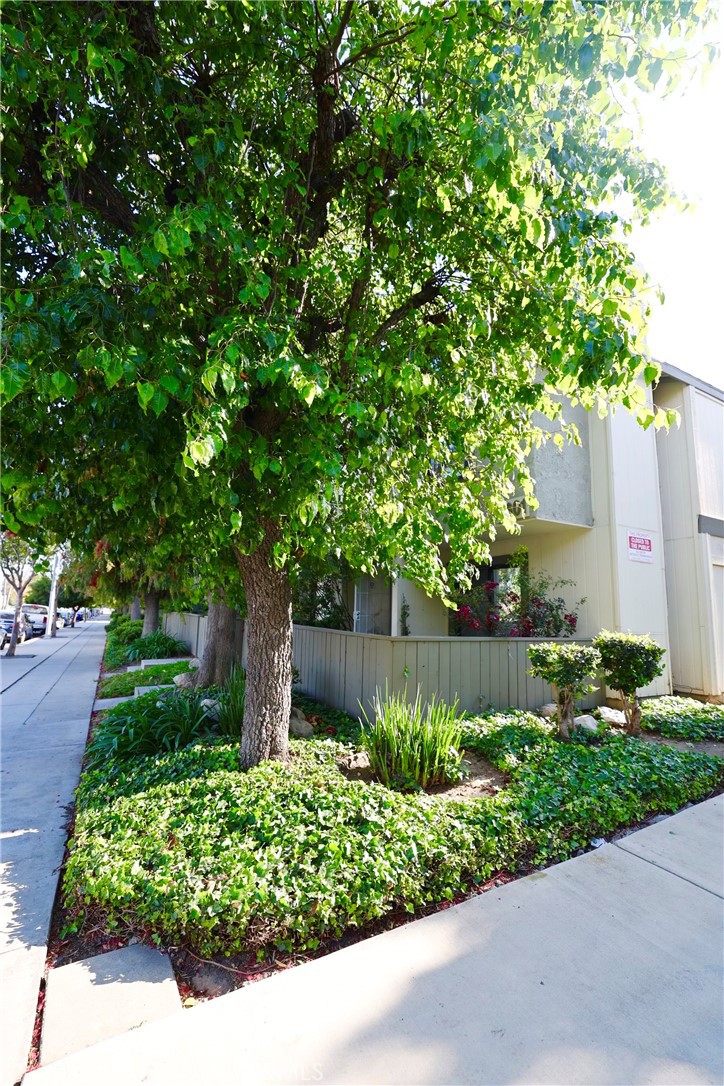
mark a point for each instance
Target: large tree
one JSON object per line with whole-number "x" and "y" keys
{"x": 354, "y": 246}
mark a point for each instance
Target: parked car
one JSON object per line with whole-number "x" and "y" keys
{"x": 7, "y": 618}
{"x": 38, "y": 616}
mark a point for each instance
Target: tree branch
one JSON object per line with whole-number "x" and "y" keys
{"x": 429, "y": 291}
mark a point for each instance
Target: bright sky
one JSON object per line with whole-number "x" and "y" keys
{"x": 684, "y": 251}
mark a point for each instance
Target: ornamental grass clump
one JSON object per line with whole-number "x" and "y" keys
{"x": 155, "y": 646}
{"x": 410, "y": 747}
{"x": 629, "y": 661}
{"x": 567, "y": 668}
{"x": 230, "y": 713}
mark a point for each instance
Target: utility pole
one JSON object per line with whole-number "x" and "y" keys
{"x": 53, "y": 601}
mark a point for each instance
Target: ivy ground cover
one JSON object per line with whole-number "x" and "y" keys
{"x": 683, "y": 718}
{"x": 184, "y": 848}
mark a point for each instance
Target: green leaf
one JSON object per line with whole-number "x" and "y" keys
{"x": 159, "y": 241}
{"x": 146, "y": 393}
{"x": 64, "y": 384}
{"x": 159, "y": 402}
{"x": 170, "y": 383}
{"x": 112, "y": 370}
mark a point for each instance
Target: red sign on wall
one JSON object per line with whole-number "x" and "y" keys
{"x": 640, "y": 547}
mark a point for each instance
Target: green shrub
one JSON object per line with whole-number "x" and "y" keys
{"x": 566, "y": 668}
{"x": 118, "y": 686}
{"x": 149, "y": 724}
{"x": 629, "y": 661}
{"x": 409, "y": 747}
{"x": 230, "y": 714}
{"x": 127, "y": 632}
{"x": 156, "y": 646}
{"x": 683, "y": 718}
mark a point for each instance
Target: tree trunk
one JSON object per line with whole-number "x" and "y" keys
{"x": 16, "y": 624}
{"x": 632, "y": 712}
{"x": 136, "y": 608}
{"x": 268, "y": 658}
{"x": 151, "y": 615}
{"x": 565, "y": 704}
{"x": 219, "y": 651}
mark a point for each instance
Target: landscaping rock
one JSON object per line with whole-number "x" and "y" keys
{"x": 212, "y": 707}
{"x": 586, "y": 723}
{"x": 299, "y": 725}
{"x": 213, "y": 981}
{"x": 612, "y": 716}
{"x": 195, "y": 664}
{"x": 184, "y": 680}
{"x": 549, "y": 710}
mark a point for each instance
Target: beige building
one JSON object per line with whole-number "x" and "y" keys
{"x": 691, "y": 472}
{"x": 635, "y": 519}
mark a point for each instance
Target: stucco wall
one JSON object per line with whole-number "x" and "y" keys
{"x": 620, "y": 594}
{"x": 563, "y": 475}
{"x": 428, "y": 616}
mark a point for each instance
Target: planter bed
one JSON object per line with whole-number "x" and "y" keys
{"x": 183, "y": 850}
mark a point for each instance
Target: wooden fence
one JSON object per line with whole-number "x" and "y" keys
{"x": 192, "y": 629}
{"x": 343, "y": 669}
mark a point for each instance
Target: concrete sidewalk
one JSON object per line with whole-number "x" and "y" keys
{"x": 604, "y": 969}
{"x": 47, "y": 694}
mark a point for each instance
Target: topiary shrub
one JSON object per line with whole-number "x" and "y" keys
{"x": 629, "y": 661}
{"x": 566, "y": 668}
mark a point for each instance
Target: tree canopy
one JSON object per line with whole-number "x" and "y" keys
{"x": 347, "y": 248}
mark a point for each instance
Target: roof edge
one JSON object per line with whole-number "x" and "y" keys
{"x": 667, "y": 370}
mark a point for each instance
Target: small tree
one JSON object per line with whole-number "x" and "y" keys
{"x": 17, "y": 562}
{"x": 629, "y": 661}
{"x": 566, "y": 668}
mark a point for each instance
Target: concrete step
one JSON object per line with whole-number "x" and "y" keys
{"x": 110, "y": 703}
{"x": 167, "y": 660}
{"x": 102, "y": 997}
{"x": 147, "y": 689}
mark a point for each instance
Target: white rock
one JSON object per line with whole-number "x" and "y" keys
{"x": 195, "y": 664}
{"x": 300, "y": 727}
{"x": 185, "y": 679}
{"x": 211, "y": 705}
{"x": 611, "y": 716}
{"x": 549, "y": 710}
{"x": 586, "y": 723}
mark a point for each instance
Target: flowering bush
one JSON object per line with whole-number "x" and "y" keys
{"x": 518, "y": 605}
